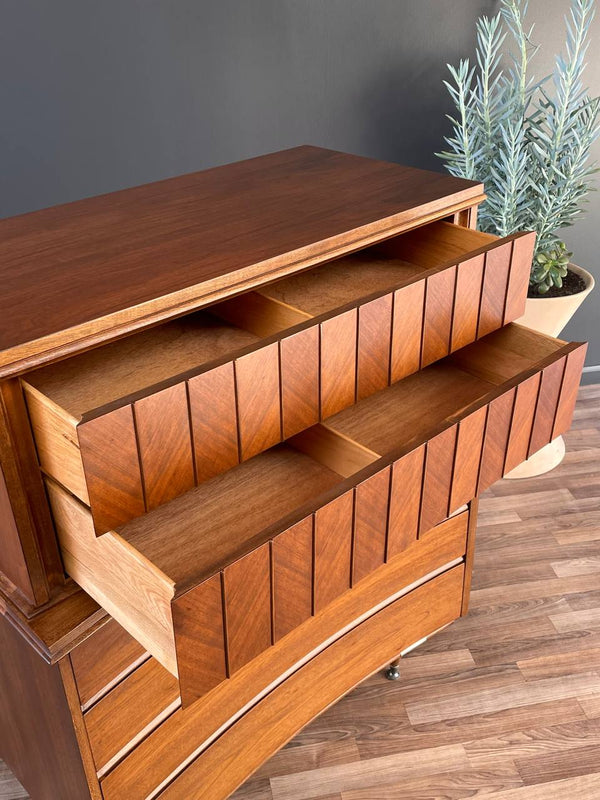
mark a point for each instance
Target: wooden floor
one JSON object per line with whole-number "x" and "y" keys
{"x": 504, "y": 703}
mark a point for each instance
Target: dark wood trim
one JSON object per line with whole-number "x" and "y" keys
{"x": 44, "y": 754}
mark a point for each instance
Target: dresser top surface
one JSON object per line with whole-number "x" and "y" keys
{"x": 83, "y": 272}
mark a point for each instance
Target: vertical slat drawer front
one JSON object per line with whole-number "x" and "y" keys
{"x": 405, "y": 501}
{"x": 439, "y": 461}
{"x": 522, "y": 422}
{"x": 164, "y": 436}
{"x": 437, "y": 324}
{"x": 495, "y": 284}
{"x": 214, "y": 421}
{"x": 247, "y": 592}
{"x": 407, "y": 330}
{"x": 258, "y": 400}
{"x": 292, "y": 565}
{"x": 374, "y": 341}
{"x": 518, "y": 278}
{"x": 198, "y": 622}
{"x": 469, "y": 445}
{"x": 333, "y": 549}
{"x": 110, "y": 458}
{"x": 547, "y": 404}
{"x": 469, "y": 279}
{"x": 300, "y": 381}
{"x": 338, "y": 362}
{"x": 568, "y": 392}
{"x": 496, "y": 439}
{"x": 370, "y": 524}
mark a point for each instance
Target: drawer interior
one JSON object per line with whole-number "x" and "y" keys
{"x": 414, "y": 409}
{"x": 156, "y": 574}
{"x": 131, "y": 425}
{"x": 380, "y": 268}
{"x": 128, "y": 366}
{"x": 136, "y": 572}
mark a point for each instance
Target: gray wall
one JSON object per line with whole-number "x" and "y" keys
{"x": 97, "y": 96}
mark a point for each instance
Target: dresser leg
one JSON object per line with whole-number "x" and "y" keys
{"x": 392, "y": 673}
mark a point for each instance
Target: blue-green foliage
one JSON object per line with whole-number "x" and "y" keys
{"x": 528, "y": 142}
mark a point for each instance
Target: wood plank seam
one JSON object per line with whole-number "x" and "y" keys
{"x": 139, "y": 456}
{"x": 538, "y": 410}
{"x": 386, "y": 556}
{"x": 510, "y": 424}
{"x": 356, "y": 353}
{"x": 510, "y": 263}
{"x": 389, "y": 380}
{"x": 563, "y": 378}
{"x": 537, "y": 399}
{"x": 314, "y": 565}
{"x": 280, "y": 362}
{"x": 452, "y": 313}
{"x": 510, "y": 427}
{"x": 191, "y": 427}
{"x": 353, "y": 538}
{"x": 423, "y": 317}
{"x": 237, "y": 414}
{"x": 272, "y": 579}
{"x": 225, "y": 628}
{"x": 423, "y": 474}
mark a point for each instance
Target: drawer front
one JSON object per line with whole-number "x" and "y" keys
{"x": 101, "y": 661}
{"x": 361, "y": 529}
{"x": 175, "y": 742}
{"x": 126, "y": 458}
{"x": 230, "y": 619}
{"x": 207, "y": 624}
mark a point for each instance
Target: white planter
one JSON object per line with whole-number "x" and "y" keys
{"x": 550, "y": 315}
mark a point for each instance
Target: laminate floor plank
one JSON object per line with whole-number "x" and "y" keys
{"x": 446, "y": 785}
{"x": 506, "y": 701}
{"x": 540, "y": 769}
{"x": 584, "y": 787}
{"x": 361, "y": 774}
{"x": 526, "y": 745}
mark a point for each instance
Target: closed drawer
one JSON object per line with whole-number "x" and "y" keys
{"x": 184, "y": 739}
{"x": 220, "y": 574}
{"x": 145, "y": 703}
{"x": 101, "y": 661}
{"x": 131, "y": 425}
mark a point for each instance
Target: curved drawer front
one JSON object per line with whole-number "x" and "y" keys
{"x": 368, "y": 630}
{"x": 213, "y": 579}
{"x": 137, "y": 423}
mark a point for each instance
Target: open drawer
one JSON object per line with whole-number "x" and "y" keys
{"x": 219, "y": 574}
{"x": 131, "y": 425}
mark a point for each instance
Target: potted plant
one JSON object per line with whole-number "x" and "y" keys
{"x": 529, "y": 143}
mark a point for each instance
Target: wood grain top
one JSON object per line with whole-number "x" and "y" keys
{"x": 77, "y": 274}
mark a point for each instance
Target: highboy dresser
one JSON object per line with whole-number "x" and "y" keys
{"x": 245, "y": 418}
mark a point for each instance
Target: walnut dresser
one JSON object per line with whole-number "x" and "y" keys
{"x": 245, "y": 418}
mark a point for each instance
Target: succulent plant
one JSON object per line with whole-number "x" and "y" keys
{"x": 528, "y": 142}
{"x": 550, "y": 267}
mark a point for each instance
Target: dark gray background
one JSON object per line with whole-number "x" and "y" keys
{"x": 100, "y": 95}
